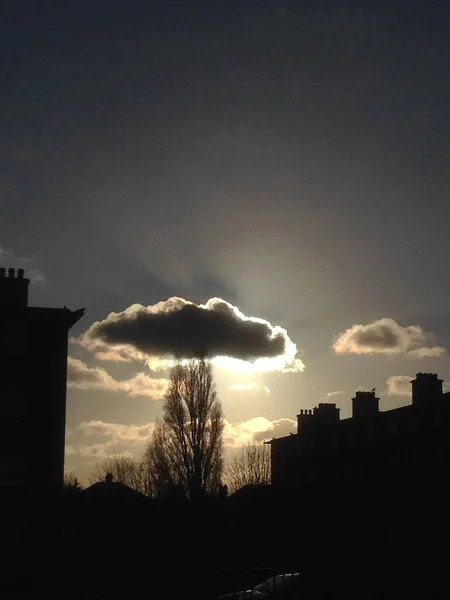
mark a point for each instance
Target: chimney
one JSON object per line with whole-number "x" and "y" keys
{"x": 324, "y": 414}
{"x": 303, "y": 418}
{"x": 13, "y": 290}
{"x": 426, "y": 387}
{"x": 365, "y": 405}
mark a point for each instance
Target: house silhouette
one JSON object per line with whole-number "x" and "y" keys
{"x": 33, "y": 373}
{"x": 400, "y": 449}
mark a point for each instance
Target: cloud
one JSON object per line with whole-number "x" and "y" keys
{"x": 93, "y": 451}
{"x": 36, "y": 276}
{"x": 277, "y": 429}
{"x": 100, "y": 439}
{"x": 257, "y": 429}
{"x": 94, "y": 440}
{"x": 80, "y": 376}
{"x": 400, "y": 385}
{"x": 118, "y": 432}
{"x": 332, "y": 394}
{"x": 178, "y": 328}
{"x": 249, "y": 387}
{"x": 129, "y": 436}
{"x": 123, "y": 354}
{"x": 10, "y": 258}
{"x": 428, "y": 352}
{"x": 386, "y": 336}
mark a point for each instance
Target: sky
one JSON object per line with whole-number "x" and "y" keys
{"x": 267, "y": 180}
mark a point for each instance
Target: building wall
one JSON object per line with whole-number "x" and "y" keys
{"x": 380, "y": 454}
{"x": 33, "y": 372}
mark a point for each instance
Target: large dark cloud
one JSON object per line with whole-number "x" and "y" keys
{"x": 183, "y": 329}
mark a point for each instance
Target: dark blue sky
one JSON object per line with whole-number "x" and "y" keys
{"x": 289, "y": 157}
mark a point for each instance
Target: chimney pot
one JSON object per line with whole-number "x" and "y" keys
{"x": 13, "y": 290}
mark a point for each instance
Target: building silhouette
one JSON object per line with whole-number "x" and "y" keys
{"x": 33, "y": 371}
{"x": 373, "y": 453}
{"x": 375, "y": 484}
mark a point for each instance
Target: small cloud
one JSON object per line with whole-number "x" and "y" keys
{"x": 428, "y": 352}
{"x": 399, "y": 385}
{"x": 96, "y": 439}
{"x": 93, "y": 451}
{"x": 249, "y": 387}
{"x": 332, "y": 394}
{"x": 178, "y": 328}
{"x": 36, "y": 276}
{"x": 386, "y": 336}
{"x": 113, "y": 355}
{"x": 118, "y": 432}
{"x": 278, "y": 428}
{"x": 10, "y": 258}
{"x": 80, "y": 376}
{"x": 257, "y": 429}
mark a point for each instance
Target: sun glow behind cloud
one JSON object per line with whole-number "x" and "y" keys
{"x": 249, "y": 387}
{"x": 260, "y": 365}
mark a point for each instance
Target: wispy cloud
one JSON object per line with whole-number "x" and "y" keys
{"x": 333, "y": 394}
{"x": 95, "y": 440}
{"x": 249, "y": 387}
{"x": 257, "y": 429}
{"x": 36, "y": 276}
{"x": 10, "y": 258}
{"x": 386, "y": 336}
{"x": 400, "y": 385}
{"x": 80, "y": 376}
{"x": 118, "y": 432}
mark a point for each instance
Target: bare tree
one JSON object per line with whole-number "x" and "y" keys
{"x": 186, "y": 449}
{"x": 161, "y": 477}
{"x": 250, "y": 466}
{"x": 71, "y": 484}
{"x": 124, "y": 469}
